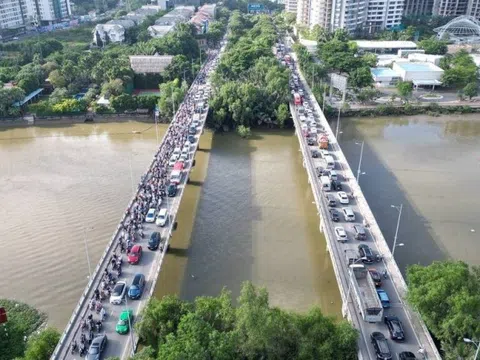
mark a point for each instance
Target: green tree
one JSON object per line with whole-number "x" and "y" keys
{"x": 434, "y": 46}
{"x": 447, "y": 295}
{"x": 282, "y": 114}
{"x": 123, "y": 102}
{"x": 366, "y": 95}
{"x": 41, "y": 346}
{"x": 7, "y": 98}
{"x": 69, "y": 106}
{"x": 57, "y": 79}
{"x": 58, "y": 95}
{"x": 171, "y": 95}
{"x": 470, "y": 90}
{"x": 112, "y": 88}
{"x": 405, "y": 89}
{"x": 370, "y": 59}
{"x": 360, "y": 78}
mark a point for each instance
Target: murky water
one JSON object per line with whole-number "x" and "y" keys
{"x": 62, "y": 185}
{"x": 431, "y": 166}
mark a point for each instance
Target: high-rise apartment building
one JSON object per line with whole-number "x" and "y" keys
{"x": 48, "y": 11}
{"x": 314, "y": 12}
{"x": 473, "y": 8}
{"x": 291, "y": 6}
{"x": 418, "y": 7}
{"x": 13, "y": 14}
{"x": 349, "y": 14}
{"x": 304, "y": 8}
{"x": 450, "y": 7}
{"x": 383, "y": 14}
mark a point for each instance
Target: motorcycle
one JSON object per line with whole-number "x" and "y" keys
{"x": 83, "y": 325}
{"x": 98, "y": 326}
{"x": 98, "y": 307}
{"x": 74, "y": 347}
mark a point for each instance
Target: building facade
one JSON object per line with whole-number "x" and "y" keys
{"x": 450, "y": 7}
{"x": 13, "y": 14}
{"x": 383, "y": 14}
{"x": 418, "y": 7}
{"x": 291, "y": 6}
{"x": 349, "y": 14}
{"x": 45, "y": 12}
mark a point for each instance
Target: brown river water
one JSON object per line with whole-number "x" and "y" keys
{"x": 247, "y": 214}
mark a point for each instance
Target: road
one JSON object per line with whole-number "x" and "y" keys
{"x": 149, "y": 266}
{"x": 337, "y": 249}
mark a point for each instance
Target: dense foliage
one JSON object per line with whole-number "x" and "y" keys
{"x": 23, "y": 320}
{"x": 211, "y": 328}
{"x": 434, "y": 46}
{"x": 447, "y": 295}
{"x": 249, "y": 83}
{"x": 459, "y": 69}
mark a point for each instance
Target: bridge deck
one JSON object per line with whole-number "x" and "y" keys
{"x": 149, "y": 265}
{"x": 417, "y": 336}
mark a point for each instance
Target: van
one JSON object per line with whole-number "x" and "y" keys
{"x": 348, "y": 214}
{"x": 330, "y": 162}
{"x": 330, "y": 200}
{"x": 162, "y": 217}
{"x": 176, "y": 177}
{"x": 332, "y": 174}
{"x": 326, "y": 184}
{"x": 359, "y": 232}
{"x": 382, "y": 295}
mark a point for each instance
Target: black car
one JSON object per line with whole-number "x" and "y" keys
{"x": 310, "y": 141}
{"x": 191, "y": 138}
{"x": 336, "y": 185}
{"x": 365, "y": 252}
{"x": 321, "y": 171}
{"x": 375, "y": 275}
{"x": 172, "y": 190}
{"x": 96, "y": 348}
{"x": 406, "y": 355}
{"x": 395, "y": 328}
{"x": 154, "y": 241}
{"x": 334, "y": 215}
{"x": 315, "y": 154}
{"x": 381, "y": 347}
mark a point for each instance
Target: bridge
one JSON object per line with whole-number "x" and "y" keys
{"x": 358, "y": 295}
{"x": 150, "y": 263}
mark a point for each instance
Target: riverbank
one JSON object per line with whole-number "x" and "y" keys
{"x": 23, "y": 320}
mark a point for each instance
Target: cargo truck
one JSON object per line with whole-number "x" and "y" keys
{"x": 365, "y": 293}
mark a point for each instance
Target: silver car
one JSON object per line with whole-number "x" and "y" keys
{"x": 96, "y": 348}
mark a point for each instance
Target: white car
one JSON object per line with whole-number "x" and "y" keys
{"x": 304, "y": 127}
{"x": 162, "y": 217}
{"x": 150, "y": 218}
{"x": 172, "y": 161}
{"x": 341, "y": 234}
{"x": 342, "y": 195}
{"x": 186, "y": 148}
{"x": 324, "y": 153}
{"x": 303, "y": 118}
{"x": 118, "y": 293}
{"x": 177, "y": 152}
{"x": 183, "y": 157}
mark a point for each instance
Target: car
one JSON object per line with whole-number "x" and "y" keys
{"x": 150, "y": 218}
{"x": 383, "y": 296}
{"x": 135, "y": 254}
{"x": 342, "y": 195}
{"x": 336, "y": 185}
{"x": 366, "y": 253}
{"x": 171, "y": 190}
{"x": 186, "y": 149}
{"x": 334, "y": 215}
{"x": 192, "y": 130}
{"x": 124, "y": 321}
{"x": 395, "y": 328}
{"x": 406, "y": 355}
{"x": 162, "y": 217}
{"x": 315, "y": 154}
{"x": 324, "y": 153}
{"x": 375, "y": 275}
{"x": 135, "y": 289}
{"x": 154, "y": 241}
{"x": 341, "y": 234}
{"x": 360, "y": 233}
{"x": 96, "y": 347}
{"x": 172, "y": 160}
{"x": 380, "y": 345}
{"x": 310, "y": 141}
{"x": 119, "y": 290}
{"x": 191, "y": 138}
{"x": 183, "y": 157}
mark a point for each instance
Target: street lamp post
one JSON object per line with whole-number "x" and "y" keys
{"x": 130, "y": 325}
{"x": 477, "y": 345}
{"x": 338, "y": 123}
{"x": 360, "y": 161}
{"x": 350, "y": 273}
{"x": 86, "y": 252}
{"x": 399, "y": 208}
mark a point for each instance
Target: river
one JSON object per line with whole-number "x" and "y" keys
{"x": 62, "y": 186}
{"x": 247, "y": 213}
{"x": 431, "y": 165}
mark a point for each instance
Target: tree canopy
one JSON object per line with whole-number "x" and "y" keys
{"x": 212, "y": 328}
{"x": 249, "y": 83}
{"x": 447, "y": 295}
{"x": 459, "y": 69}
{"x": 434, "y": 46}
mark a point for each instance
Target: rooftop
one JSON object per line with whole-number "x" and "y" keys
{"x": 418, "y": 66}
{"x": 371, "y": 44}
{"x": 144, "y": 64}
{"x": 383, "y": 72}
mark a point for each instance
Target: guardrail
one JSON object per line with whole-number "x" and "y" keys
{"x": 421, "y": 332}
{"x": 95, "y": 277}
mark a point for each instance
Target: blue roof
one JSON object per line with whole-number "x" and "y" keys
{"x": 28, "y": 97}
{"x": 383, "y": 72}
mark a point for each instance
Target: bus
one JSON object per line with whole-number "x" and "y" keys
{"x": 297, "y": 99}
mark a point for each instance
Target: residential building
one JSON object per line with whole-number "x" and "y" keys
{"x": 303, "y": 8}
{"x": 418, "y": 7}
{"x": 45, "y": 12}
{"x": 349, "y": 14}
{"x": 451, "y": 7}
{"x": 291, "y": 6}
{"x": 13, "y": 14}
{"x": 314, "y": 12}
{"x": 167, "y": 22}
{"x": 383, "y": 14}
